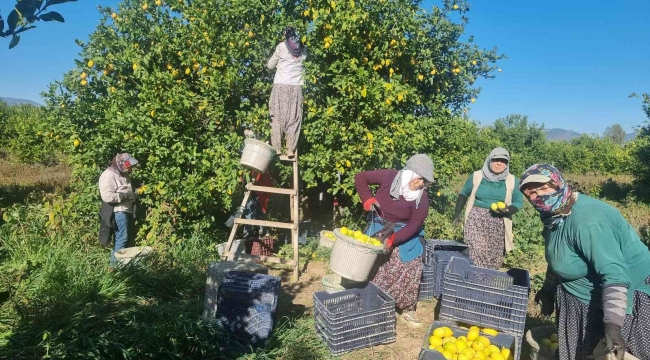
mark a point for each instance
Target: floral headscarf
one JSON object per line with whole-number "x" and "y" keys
{"x": 552, "y": 208}
{"x": 122, "y": 162}
{"x": 293, "y": 41}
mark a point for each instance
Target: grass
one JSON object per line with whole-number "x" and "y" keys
{"x": 65, "y": 304}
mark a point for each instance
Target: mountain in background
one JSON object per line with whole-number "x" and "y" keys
{"x": 13, "y": 101}
{"x": 568, "y": 135}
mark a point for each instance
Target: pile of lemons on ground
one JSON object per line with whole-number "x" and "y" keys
{"x": 472, "y": 346}
{"x": 498, "y": 206}
{"x": 361, "y": 237}
{"x": 330, "y": 235}
{"x": 550, "y": 342}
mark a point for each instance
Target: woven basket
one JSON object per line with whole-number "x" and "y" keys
{"x": 353, "y": 259}
{"x": 537, "y": 350}
{"x": 324, "y": 241}
{"x": 256, "y": 155}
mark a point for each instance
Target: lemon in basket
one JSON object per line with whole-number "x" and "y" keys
{"x": 344, "y": 231}
{"x": 484, "y": 340}
{"x": 451, "y": 347}
{"x": 496, "y": 356}
{"x": 435, "y": 341}
{"x": 472, "y": 334}
{"x": 439, "y": 332}
{"x": 448, "y": 340}
{"x": 553, "y": 338}
{"x": 505, "y": 353}
{"x": 491, "y": 332}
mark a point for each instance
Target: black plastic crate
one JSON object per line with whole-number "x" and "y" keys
{"x": 431, "y": 246}
{"x": 486, "y": 298}
{"x": 427, "y": 282}
{"x": 442, "y": 258}
{"x": 501, "y": 340}
{"x": 354, "y": 319}
{"x": 246, "y": 304}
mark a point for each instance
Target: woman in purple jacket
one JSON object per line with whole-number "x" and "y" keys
{"x": 401, "y": 199}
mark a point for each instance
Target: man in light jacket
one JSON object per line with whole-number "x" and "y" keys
{"x": 116, "y": 192}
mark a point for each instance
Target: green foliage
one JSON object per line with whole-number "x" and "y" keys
{"x": 640, "y": 147}
{"x": 615, "y": 133}
{"x": 526, "y": 141}
{"x": 589, "y": 154}
{"x": 26, "y": 134}
{"x": 174, "y": 84}
{"x": 24, "y": 14}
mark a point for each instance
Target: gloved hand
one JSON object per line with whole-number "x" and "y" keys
{"x": 614, "y": 337}
{"x": 547, "y": 298}
{"x": 388, "y": 243}
{"x": 455, "y": 221}
{"x": 371, "y": 204}
{"x": 129, "y": 195}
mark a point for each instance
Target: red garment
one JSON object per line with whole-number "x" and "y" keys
{"x": 400, "y": 210}
{"x": 263, "y": 198}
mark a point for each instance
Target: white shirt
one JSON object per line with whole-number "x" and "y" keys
{"x": 289, "y": 68}
{"x": 110, "y": 184}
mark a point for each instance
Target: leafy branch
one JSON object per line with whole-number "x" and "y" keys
{"x": 26, "y": 13}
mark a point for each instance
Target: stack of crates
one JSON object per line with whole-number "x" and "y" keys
{"x": 437, "y": 254}
{"x": 353, "y": 319}
{"x": 486, "y": 298}
{"x": 246, "y": 304}
{"x": 216, "y": 273}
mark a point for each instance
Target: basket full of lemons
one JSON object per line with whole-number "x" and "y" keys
{"x": 354, "y": 254}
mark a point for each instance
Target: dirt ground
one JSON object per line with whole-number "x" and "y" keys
{"x": 297, "y": 299}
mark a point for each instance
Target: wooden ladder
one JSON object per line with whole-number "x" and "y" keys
{"x": 293, "y": 225}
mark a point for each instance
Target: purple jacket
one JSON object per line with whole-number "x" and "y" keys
{"x": 391, "y": 209}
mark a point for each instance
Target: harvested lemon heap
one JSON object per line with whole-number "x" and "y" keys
{"x": 498, "y": 205}
{"x": 472, "y": 346}
{"x": 361, "y": 237}
{"x": 550, "y": 342}
{"x": 330, "y": 235}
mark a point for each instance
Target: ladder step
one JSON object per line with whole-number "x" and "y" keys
{"x": 270, "y": 259}
{"x": 266, "y": 223}
{"x": 272, "y": 190}
{"x": 286, "y": 158}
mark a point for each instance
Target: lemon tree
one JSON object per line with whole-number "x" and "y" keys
{"x": 175, "y": 83}
{"x": 24, "y": 14}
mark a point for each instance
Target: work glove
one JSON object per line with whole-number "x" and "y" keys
{"x": 460, "y": 203}
{"x": 388, "y": 243}
{"x": 371, "y": 205}
{"x": 614, "y": 340}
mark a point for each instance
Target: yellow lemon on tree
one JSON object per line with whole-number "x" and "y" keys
{"x": 435, "y": 341}
{"x": 439, "y": 332}
{"x": 455, "y": 7}
{"x": 76, "y": 143}
{"x": 113, "y": 16}
{"x": 84, "y": 82}
{"x": 501, "y": 205}
{"x": 90, "y": 63}
{"x": 145, "y": 6}
{"x": 472, "y": 334}
{"x": 158, "y": 2}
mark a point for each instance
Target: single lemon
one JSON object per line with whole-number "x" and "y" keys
{"x": 472, "y": 334}
{"x": 501, "y": 205}
{"x": 448, "y": 339}
{"x": 487, "y": 351}
{"x": 489, "y": 331}
{"x": 546, "y": 342}
{"x": 554, "y": 346}
{"x": 469, "y": 352}
{"x": 494, "y": 207}
{"x": 344, "y": 231}
{"x": 505, "y": 353}
{"x": 463, "y": 356}
{"x": 496, "y": 356}
{"x": 479, "y": 355}
{"x": 460, "y": 345}
{"x": 463, "y": 339}
{"x": 448, "y": 331}
{"x": 553, "y": 338}
{"x": 439, "y": 332}
{"x": 440, "y": 349}
{"x": 435, "y": 341}
{"x": 484, "y": 340}
{"x": 451, "y": 347}
{"x": 478, "y": 346}
{"x": 447, "y": 354}
{"x": 494, "y": 348}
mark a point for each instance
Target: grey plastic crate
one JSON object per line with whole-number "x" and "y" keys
{"x": 427, "y": 282}
{"x": 501, "y": 340}
{"x": 354, "y": 319}
{"x": 433, "y": 245}
{"x": 246, "y": 304}
{"x": 486, "y": 298}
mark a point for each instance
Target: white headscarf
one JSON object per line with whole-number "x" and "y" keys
{"x": 405, "y": 189}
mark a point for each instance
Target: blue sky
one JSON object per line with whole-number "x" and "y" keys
{"x": 571, "y": 64}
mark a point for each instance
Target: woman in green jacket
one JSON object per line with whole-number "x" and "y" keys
{"x": 599, "y": 264}
{"x": 488, "y": 231}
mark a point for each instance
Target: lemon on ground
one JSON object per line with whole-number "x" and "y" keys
{"x": 505, "y": 353}
{"x": 472, "y": 334}
{"x": 435, "y": 341}
{"x": 447, "y": 354}
{"x": 451, "y": 347}
{"x": 553, "y": 338}
{"x": 484, "y": 340}
{"x": 494, "y": 207}
{"x": 501, "y": 205}
{"x": 439, "y": 332}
